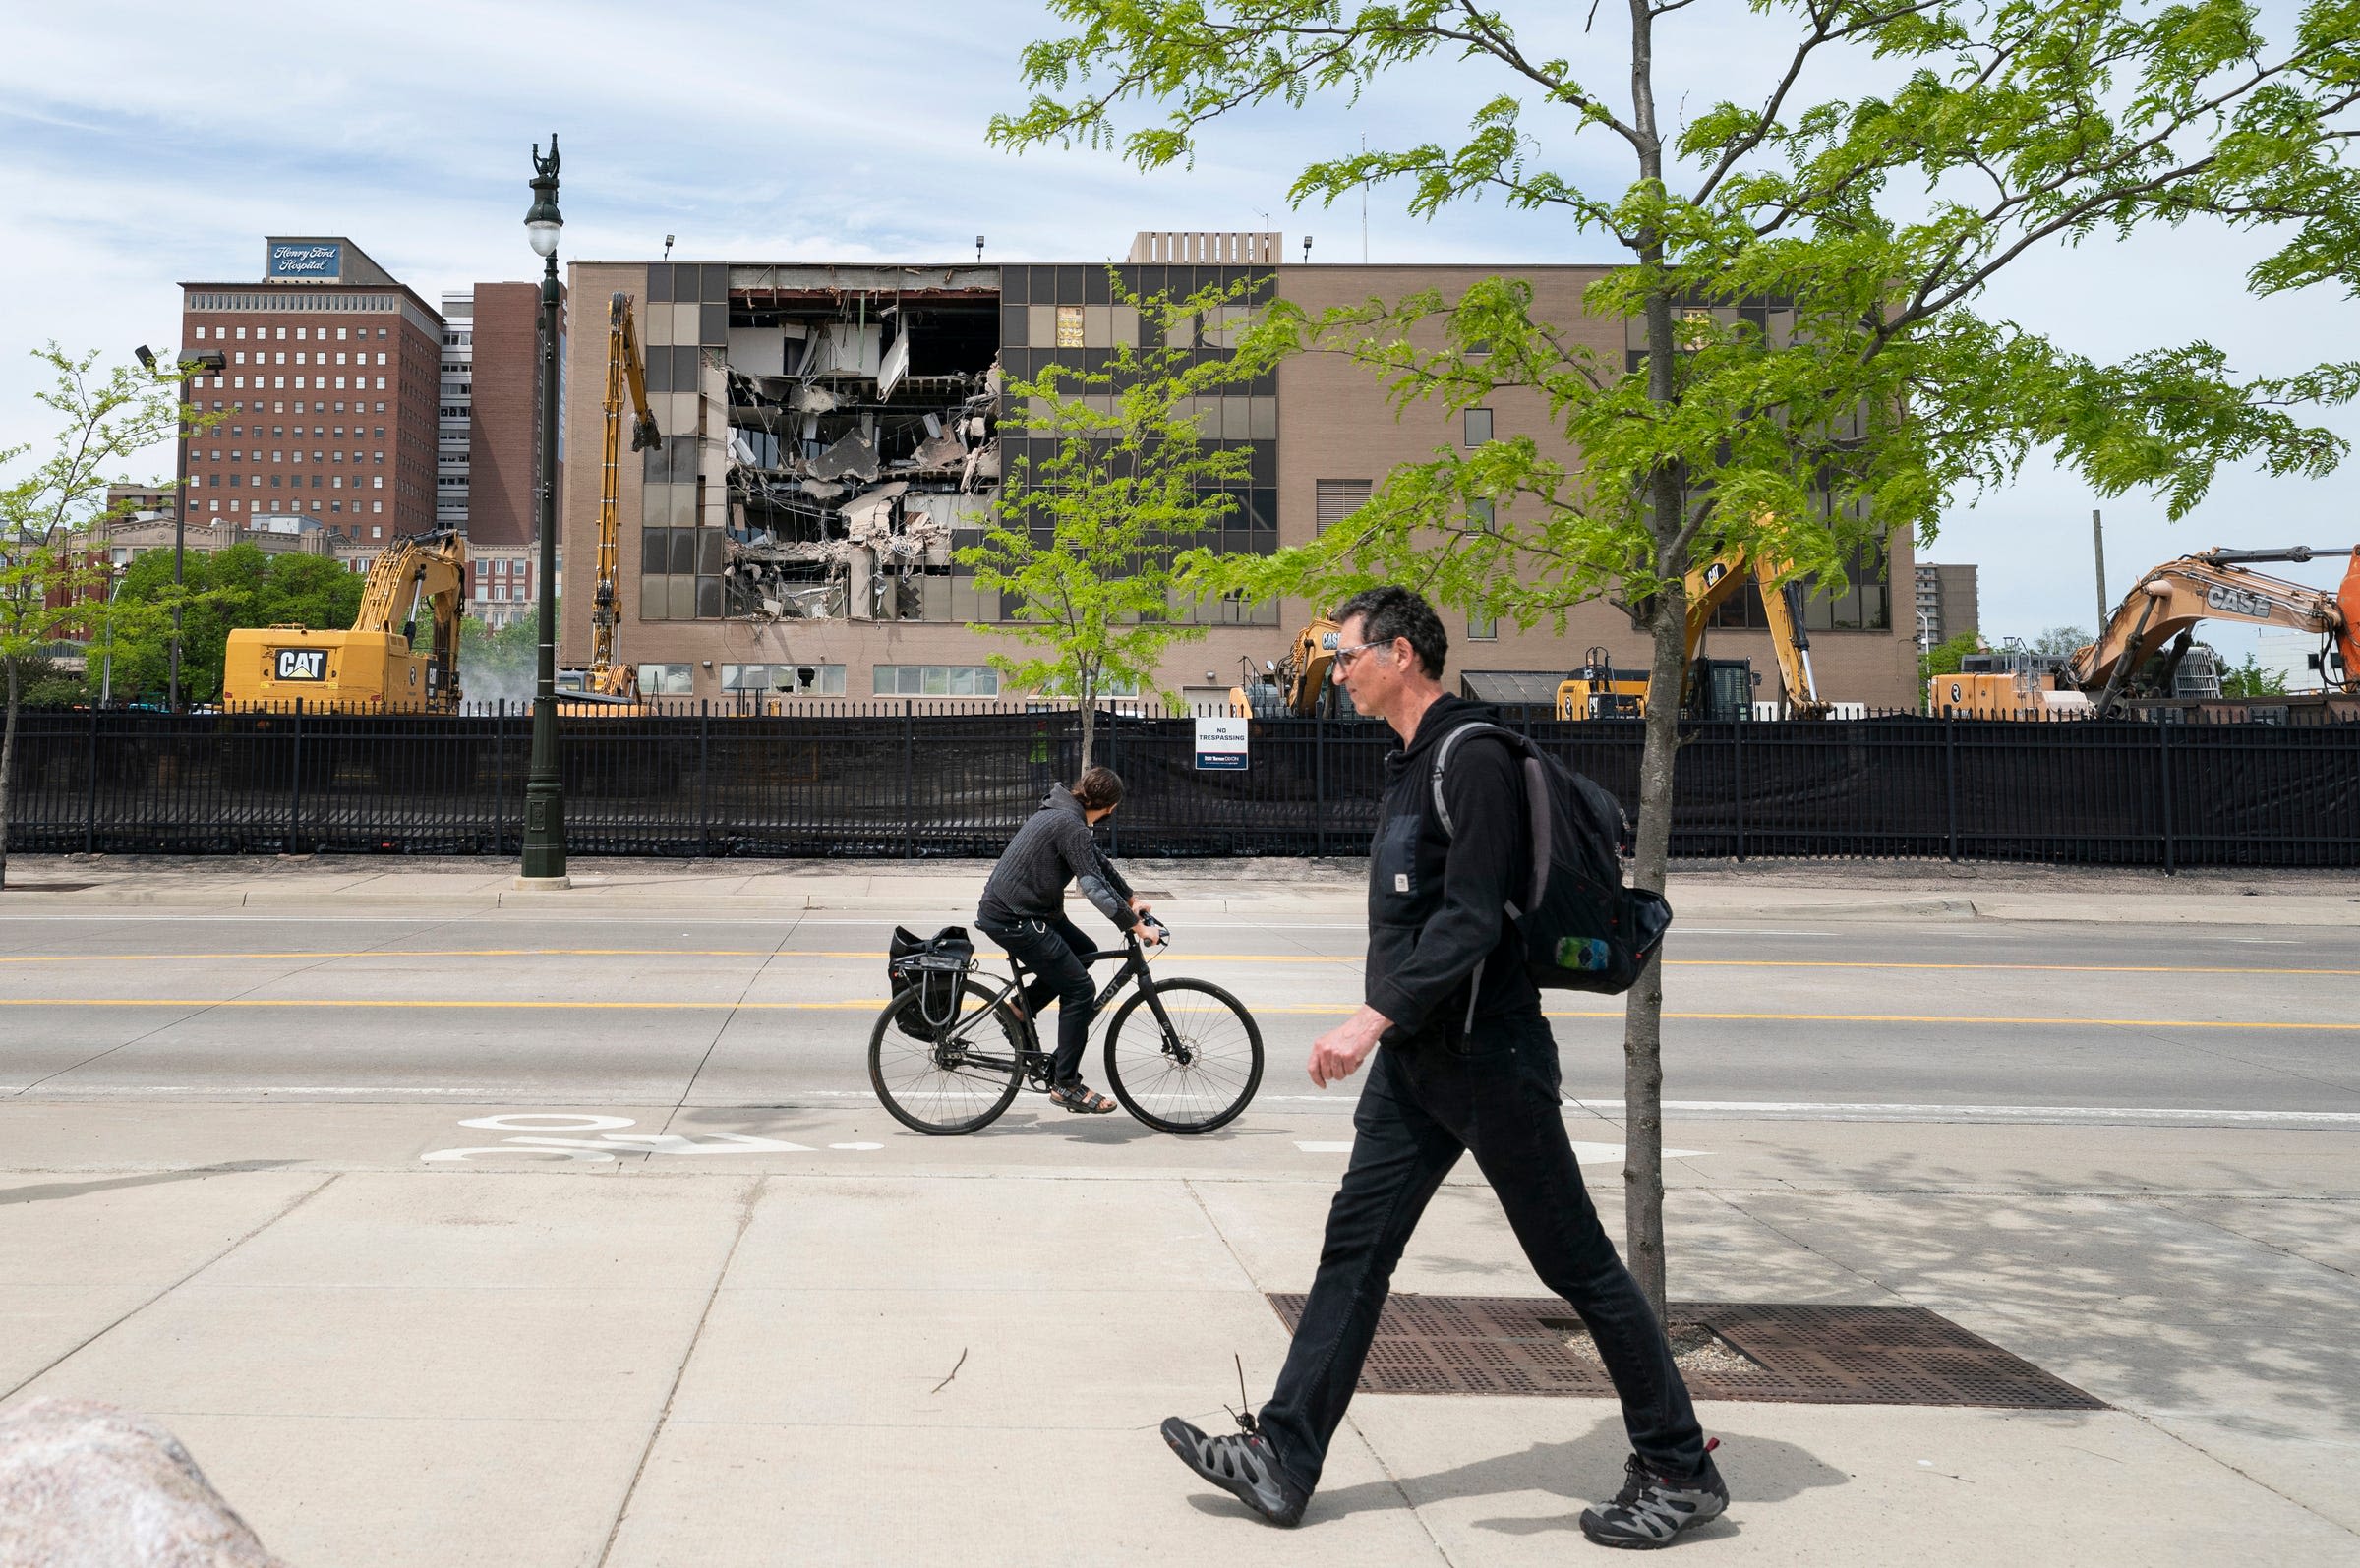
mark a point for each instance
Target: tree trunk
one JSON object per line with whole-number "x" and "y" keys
{"x": 1666, "y": 510}
{"x": 8, "y": 765}
{"x": 1090, "y": 723}
{"x": 1643, "y": 1013}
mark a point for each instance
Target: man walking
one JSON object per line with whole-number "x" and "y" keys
{"x": 1463, "y": 1061}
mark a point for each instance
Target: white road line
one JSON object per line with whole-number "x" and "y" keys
{"x": 1584, "y": 1153}
{"x": 1724, "y": 1110}
{"x": 1864, "y": 1111}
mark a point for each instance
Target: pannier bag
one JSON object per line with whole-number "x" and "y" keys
{"x": 934, "y": 964}
{"x": 1583, "y": 930}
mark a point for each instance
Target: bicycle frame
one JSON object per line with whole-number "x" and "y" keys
{"x": 1034, "y": 1058}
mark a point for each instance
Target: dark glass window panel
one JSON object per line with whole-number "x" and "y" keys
{"x": 658, "y": 371}
{"x": 655, "y": 551}
{"x": 712, "y": 325}
{"x": 1264, "y": 517}
{"x": 683, "y": 549}
{"x": 717, "y": 283}
{"x": 1069, "y": 285}
{"x": 658, "y": 283}
{"x": 1013, "y": 319}
{"x": 709, "y": 556}
{"x": 1096, "y": 289}
{"x": 683, "y": 367}
{"x": 708, "y": 599}
{"x": 1016, "y": 285}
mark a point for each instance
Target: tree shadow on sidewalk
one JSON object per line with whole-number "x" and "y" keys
{"x": 50, "y": 1191}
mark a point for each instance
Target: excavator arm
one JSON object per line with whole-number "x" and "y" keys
{"x": 1711, "y": 582}
{"x": 625, "y": 371}
{"x": 421, "y": 566}
{"x": 2165, "y": 606}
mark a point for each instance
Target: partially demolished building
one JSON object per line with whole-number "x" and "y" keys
{"x": 835, "y": 434}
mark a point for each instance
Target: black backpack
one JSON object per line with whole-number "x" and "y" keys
{"x": 936, "y": 966}
{"x": 1583, "y": 930}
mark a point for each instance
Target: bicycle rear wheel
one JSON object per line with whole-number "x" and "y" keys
{"x": 959, "y": 1080}
{"x": 1196, "y": 1076}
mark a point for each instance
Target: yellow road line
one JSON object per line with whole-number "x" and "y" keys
{"x": 1191, "y": 957}
{"x": 1331, "y": 1009}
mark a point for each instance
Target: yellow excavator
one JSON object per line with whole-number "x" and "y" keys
{"x": 2150, "y": 631}
{"x": 606, "y": 679}
{"x": 1717, "y": 688}
{"x": 1297, "y": 686}
{"x": 371, "y": 667}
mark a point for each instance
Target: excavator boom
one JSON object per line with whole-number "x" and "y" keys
{"x": 2165, "y": 606}
{"x": 626, "y": 373}
{"x": 1709, "y": 585}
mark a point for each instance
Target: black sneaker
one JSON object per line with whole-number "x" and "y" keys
{"x": 1242, "y": 1463}
{"x": 1651, "y": 1509}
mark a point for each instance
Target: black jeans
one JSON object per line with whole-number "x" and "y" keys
{"x": 1050, "y": 948}
{"x": 1497, "y": 1099}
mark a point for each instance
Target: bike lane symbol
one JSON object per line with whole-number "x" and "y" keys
{"x": 603, "y": 1149}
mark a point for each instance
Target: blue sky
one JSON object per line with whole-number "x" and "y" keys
{"x": 146, "y": 143}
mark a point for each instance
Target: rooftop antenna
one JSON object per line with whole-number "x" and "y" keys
{"x": 979, "y": 248}
{"x": 667, "y": 247}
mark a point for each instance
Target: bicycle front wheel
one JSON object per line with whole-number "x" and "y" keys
{"x": 958, "y": 1078}
{"x": 1192, "y": 1070}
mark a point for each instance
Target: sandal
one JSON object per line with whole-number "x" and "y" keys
{"x": 1079, "y": 1098}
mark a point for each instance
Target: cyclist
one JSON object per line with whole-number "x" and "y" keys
{"x": 1022, "y": 910}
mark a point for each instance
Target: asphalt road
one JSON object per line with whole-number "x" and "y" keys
{"x": 1900, "y": 1020}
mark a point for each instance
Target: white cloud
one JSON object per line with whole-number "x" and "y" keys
{"x": 149, "y": 142}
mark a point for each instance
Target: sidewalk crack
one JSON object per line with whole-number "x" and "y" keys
{"x": 284, "y": 1209}
{"x": 745, "y": 1219}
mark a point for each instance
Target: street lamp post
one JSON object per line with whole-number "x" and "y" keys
{"x": 544, "y": 787}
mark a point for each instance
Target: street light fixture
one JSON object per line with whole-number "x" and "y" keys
{"x": 544, "y": 789}
{"x": 190, "y": 366}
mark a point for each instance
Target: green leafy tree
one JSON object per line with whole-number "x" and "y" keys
{"x": 1083, "y": 545}
{"x": 223, "y": 590}
{"x": 50, "y": 591}
{"x": 2252, "y": 679}
{"x": 1802, "y": 274}
{"x": 2066, "y": 640}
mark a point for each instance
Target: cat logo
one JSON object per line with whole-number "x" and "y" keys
{"x": 302, "y": 664}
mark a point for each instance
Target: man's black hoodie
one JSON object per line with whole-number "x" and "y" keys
{"x": 1053, "y": 847}
{"x": 1437, "y": 904}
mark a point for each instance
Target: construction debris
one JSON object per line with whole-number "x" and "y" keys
{"x": 863, "y": 442}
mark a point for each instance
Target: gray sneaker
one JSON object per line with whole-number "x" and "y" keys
{"x": 1242, "y": 1463}
{"x": 1651, "y": 1509}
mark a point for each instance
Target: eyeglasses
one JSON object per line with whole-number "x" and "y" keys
{"x": 1347, "y": 657}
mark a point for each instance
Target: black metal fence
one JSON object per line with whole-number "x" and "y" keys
{"x": 915, "y": 780}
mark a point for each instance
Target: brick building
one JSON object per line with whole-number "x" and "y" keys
{"x": 329, "y": 395}
{"x": 824, "y": 459}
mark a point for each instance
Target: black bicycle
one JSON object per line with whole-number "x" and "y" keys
{"x": 1183, "y": 1056}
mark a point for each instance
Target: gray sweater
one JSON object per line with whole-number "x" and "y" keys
{"x": 1053, "y": 847}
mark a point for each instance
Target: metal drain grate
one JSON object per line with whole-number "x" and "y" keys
{"x": 1800, "y": 1355}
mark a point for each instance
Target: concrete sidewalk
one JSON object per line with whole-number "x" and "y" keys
{"x": 1866, "y": 890}
{"x": 874, "y": 1348}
